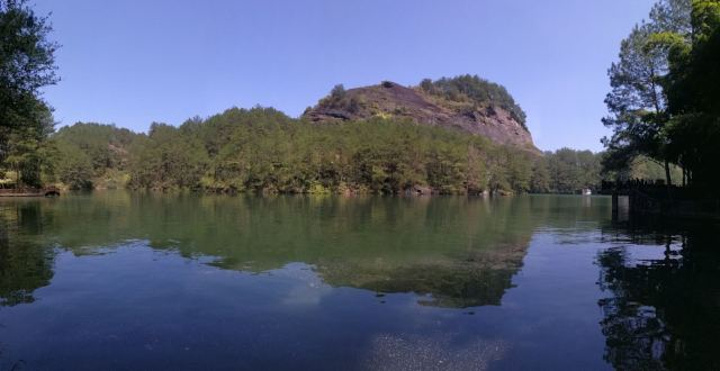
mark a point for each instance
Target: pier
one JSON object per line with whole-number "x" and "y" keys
{"x": 655, "y": 199}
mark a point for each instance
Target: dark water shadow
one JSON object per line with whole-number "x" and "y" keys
{"x": 663, "y": 305}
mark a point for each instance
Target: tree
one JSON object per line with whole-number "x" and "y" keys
{"x": 26, "y": 150}
{"x": 90, "y": 154}
{"x": 637, "y": 102}
{"x": 540, "y": 178}
{"x": 476, "y": 174}
{"x": 75, "y": 168}
{"x": 427, "y": 85}
{"x": 338, "y": 92}
{"x": 169, "y": 159}
{"x": 693, "y": 86}
{"x": 26, "y": 65}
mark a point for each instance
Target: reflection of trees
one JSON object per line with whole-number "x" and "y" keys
{"x": 460, "y": 251}
{"x": 663, "y": 313}
{"x": 24, "y": 266}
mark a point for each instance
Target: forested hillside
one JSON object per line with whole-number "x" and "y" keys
{"x": 263, "y": 150}
{"x": 92, "y": 155}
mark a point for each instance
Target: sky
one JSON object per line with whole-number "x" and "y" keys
{"x": 132, "y": 62}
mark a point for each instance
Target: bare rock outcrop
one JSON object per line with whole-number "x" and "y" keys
{"x": 391, "y": 100}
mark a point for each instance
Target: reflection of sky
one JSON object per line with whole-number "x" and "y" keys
{"x": 646, "y": 254}
{"x": 140, "y": 303}
{"x": 413, "y": 352}
{"x": 308, "y": 289}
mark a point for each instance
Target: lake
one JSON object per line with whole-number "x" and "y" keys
{"x": 126, "y": 281}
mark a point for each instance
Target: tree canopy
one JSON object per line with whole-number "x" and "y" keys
{"x": 262, "y": 150}
{"x": 665, "y": 89}
{"x": 26, "y": 65}
{"x": 693, "y": 86}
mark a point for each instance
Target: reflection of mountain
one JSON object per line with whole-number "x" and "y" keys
{"x": 477, "y": 279}
{"x": 462, "y": 252}
{"x": 663, "y": 311}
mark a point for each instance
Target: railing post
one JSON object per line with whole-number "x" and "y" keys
{"x": 615, "y": 206}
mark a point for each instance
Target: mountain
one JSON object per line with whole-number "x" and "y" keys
{"x": 466, "y": 103}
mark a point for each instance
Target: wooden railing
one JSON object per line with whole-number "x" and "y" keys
{"x": 668, "y": 203}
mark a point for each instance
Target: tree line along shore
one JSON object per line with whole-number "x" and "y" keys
{"x": 264, "y": 151}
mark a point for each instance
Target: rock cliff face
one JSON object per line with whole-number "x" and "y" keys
{"x": 393, "y": 100}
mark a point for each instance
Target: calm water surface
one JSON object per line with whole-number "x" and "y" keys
{"x": 125, "y": 281}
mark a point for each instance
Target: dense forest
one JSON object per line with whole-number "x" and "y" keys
{"x": 263, "y": 150}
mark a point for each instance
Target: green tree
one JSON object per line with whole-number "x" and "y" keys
{"x": 540, "y": 179}
{"x": 338, "y": 92}
{"x": 170, "y": 159}
{"x": 693, "y": 88}
{"x": 27, "y": 152}
{"x": 638, "y": 103}
{"x": 263, "y": 150}
{"x": 93, "y": 155}
{"x": 75, "y": 169}
{"x": 567, "y": 171}
{"x": 26, "y": 65}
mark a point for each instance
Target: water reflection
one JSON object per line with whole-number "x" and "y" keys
{"x": 25, "y": 265}
{"x": 476, "y": 279}
{"x": 387, "y": 245}
{"x": 662, "y": 312}
{"x": 370, "y": 283}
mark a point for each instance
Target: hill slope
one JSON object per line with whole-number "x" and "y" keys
{"x": 467, "y": 103}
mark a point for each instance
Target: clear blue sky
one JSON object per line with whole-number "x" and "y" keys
{"x": 133, "y": 62}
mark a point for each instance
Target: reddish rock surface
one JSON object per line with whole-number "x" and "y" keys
{"x": 394, "y": 100}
